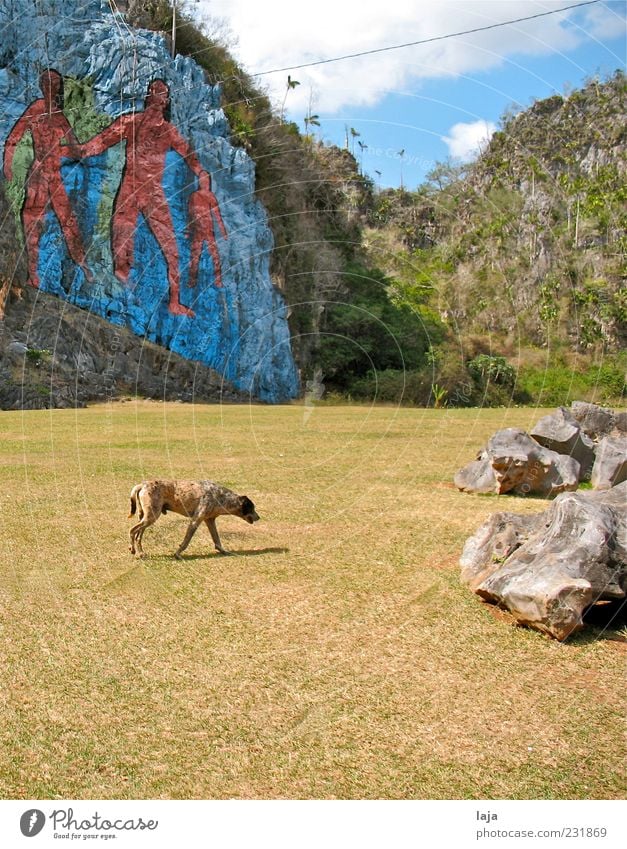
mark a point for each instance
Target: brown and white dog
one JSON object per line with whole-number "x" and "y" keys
{"x": 200, "y": 501}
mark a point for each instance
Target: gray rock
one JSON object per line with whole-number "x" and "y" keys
{"x": 513, "y": 462}
{"x": 16, "y": 350}
{"x": 549, "y": 568}
{"x": 610, "y": 466}
{"x": 478, "y": 477}
{"x": 620, "y": 424}
{"x": 595, "y": 421}
{"x": 561, "y": 432}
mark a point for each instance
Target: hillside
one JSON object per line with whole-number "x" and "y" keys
{"x": 521, "y": 254}
{"x": 528, "y": 242}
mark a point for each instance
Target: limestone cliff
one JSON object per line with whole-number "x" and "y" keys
{"x": 106, "y": 140}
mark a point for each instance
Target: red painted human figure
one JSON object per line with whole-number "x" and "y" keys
{"x": 203, "y": 207}
{"x": 53, "y": 139}
{"x": 149, "y": 136}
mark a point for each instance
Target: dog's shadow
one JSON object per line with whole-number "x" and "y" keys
{"x": 242, "y": 552}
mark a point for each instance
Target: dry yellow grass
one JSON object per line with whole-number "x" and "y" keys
{"x": 337, "y": 657}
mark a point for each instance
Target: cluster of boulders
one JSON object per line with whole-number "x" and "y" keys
{"x": 585, "y": 442}
{"x": 548, "y": 569}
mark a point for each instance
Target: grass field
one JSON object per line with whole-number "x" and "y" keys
{"x": 337, "y": 656}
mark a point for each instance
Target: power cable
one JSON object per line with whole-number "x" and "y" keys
{"x": 424, "y": 40}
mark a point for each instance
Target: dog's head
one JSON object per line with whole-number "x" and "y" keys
{"x": 247, "y": 509}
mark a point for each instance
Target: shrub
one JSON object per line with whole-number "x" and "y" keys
{"x": 491, "y": 369}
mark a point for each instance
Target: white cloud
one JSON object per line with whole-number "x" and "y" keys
{"x": 467, "y": 140}
{"x": 604, "y": 22}
{"x": 282, "y": 34}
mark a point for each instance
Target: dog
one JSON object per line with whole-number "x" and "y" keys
{"x": 200, "y": 501}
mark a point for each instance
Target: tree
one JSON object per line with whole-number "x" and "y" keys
{"x": 354, "y": 135}
{"x": 401, "y": 154}
{"x": 291, "y": 84}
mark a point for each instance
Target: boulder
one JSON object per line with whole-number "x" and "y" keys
{"x": 561, "y": 432}
{"x": 620, "y": 424}
{"x": 16, "y": 351}
{"x": 549, "y": 568}
{"x": 513, "y": 462}
{"x": 596, "y": 422}
{"x": 610, "y": 465}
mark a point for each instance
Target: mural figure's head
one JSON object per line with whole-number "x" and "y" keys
{"x": 158, "y": 97}
{"x": 204, "y": 181}
{"x": 51, "y": 85}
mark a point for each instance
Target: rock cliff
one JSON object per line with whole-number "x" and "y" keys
{"x": 105, "y": 161}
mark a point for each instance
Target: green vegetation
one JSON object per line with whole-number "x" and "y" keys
{"x": 36, "y": 357}
{"x": 523, "y": 249}
{"x": 335, "y": 655}
{"x": 561, "y": 383}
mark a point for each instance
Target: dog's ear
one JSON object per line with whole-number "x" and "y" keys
{"x": 247, "y": 505}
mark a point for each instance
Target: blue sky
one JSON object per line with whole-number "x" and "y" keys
{"x": 416, "y": 98}
{"x": 418, "y": 121}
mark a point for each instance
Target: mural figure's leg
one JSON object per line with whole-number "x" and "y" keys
{"x": 33, "y": 215}
{"x": 213, "y": 250}
{"x": 160, "y": 223}
{"x": 123, "y": 224}
{"x": 196, "y": 251}
{"x": 69, "y": 227}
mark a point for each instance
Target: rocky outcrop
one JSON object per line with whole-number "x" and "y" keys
{"x": 513, "y": 462}
{"x": 55, "y": 355}
{"x": 610, "y": 465}
{"x": 562, "y": 433}
{"x": 121, "y": 255}
{"x": 549, "y": 568}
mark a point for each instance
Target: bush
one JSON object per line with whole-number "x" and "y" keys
{"x": 558, "y": 385}
{"x": 491, "y": 369}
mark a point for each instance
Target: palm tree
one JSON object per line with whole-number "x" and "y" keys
{"x": 354, "y": 134}
{"x": 362, "y": 147}
{"x": 401, "y": 154}
{"x": 311, "y": 121}
{"x": 290, "y": 85}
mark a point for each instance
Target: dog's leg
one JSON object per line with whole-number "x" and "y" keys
{"x": 215, "y": 536}
{"x": 191, "y": 530}
{"x": 137, "y": 532}
{"x": 136, "y": 542}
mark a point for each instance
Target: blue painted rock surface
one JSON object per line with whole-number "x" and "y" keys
{"x": 239, "y": 328}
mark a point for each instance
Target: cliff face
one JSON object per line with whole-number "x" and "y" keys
{"x": 107, "y": 181}
{"x": 527, "y": 243}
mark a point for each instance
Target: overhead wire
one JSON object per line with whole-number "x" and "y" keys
{"x": 429, "y": 40}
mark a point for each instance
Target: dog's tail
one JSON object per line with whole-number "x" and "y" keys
{"x": 134, "y": 492}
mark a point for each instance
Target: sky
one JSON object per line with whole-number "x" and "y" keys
{"x": 430, "y": 101}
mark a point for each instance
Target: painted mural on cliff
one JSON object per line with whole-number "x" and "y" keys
{"x": 132, "y": 200}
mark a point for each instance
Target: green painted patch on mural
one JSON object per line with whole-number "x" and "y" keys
{"x": 16, "y": 188}
{"x": 80, "y": 109}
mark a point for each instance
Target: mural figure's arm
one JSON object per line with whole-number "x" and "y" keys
{"x": 178, "y": 143}
{"x": 215, "y": 209}
{"x": 116, "y": 132}
{"x": 21, "y": 126}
